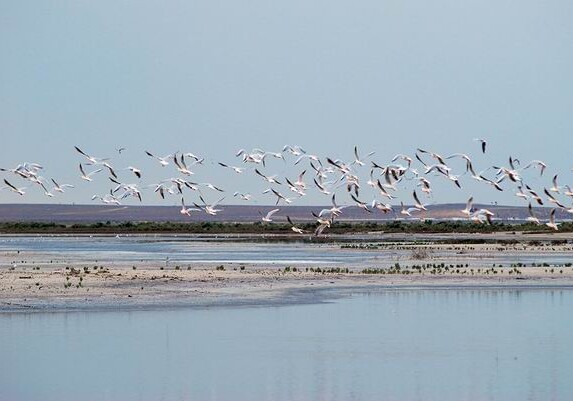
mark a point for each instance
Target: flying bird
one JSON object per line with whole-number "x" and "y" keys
{"x": 87, "y": 177}
{"x": 19, "y": 191}
{"x": 552, "y": 224}
{"x": 293, "y": 227}
{"x": 162, "y": 160}
{"x": 268, "y": 217}
{"x": 61, "y": 188}
{"x": 532, "y": 217}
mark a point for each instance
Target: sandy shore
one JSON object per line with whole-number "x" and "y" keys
{"x": 41, "y": 285}
{"x": 76, "y": 288}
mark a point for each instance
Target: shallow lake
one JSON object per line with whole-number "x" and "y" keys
{"x": 478, "y": 344}
{"x": 189, "y": 250}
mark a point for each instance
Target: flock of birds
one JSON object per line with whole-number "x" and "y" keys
{"x": 325, "y": 175}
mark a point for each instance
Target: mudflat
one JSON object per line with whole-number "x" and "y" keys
{"x": 41, "y": 285}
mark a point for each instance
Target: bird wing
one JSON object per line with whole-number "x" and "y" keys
{"x": 10, "y": 185}
{"x": 270, "y": 213}
{"x": 80, "y": 151}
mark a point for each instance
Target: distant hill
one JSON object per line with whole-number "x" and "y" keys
{"x": 235, "y": 213}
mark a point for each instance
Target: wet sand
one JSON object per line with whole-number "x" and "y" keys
{"x": 40, "y": 285}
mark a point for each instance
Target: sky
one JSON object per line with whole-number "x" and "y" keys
{"x": 211, "y": 77}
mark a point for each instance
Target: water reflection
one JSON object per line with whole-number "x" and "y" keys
{"x": 398, "y": 344}
{"x": 69, "y": 249}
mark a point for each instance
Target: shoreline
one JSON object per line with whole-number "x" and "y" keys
{"x": 51, "y": 279}
{"x": 43, "y": 291}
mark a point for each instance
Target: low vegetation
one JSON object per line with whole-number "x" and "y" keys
{"x": 339, "y": 227}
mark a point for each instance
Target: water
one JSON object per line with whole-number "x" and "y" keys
{"x": 182, "y": 250}
{"x": 134, "y": 249}
{"x": 383, "y": 345}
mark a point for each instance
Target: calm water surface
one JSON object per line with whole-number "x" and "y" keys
{"x": 127, "y": 249}
{"x": 178, "y": 249}
{"x": 383, "y": 345}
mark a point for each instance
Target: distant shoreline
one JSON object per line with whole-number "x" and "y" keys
{"x": 341, "y": 227}
{"x": 289, "y": 236}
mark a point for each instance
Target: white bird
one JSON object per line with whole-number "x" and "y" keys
{"x": 237, "y": 170}
{"x": 391, "y": 178}
{"x": 322, "y": 224}
{"x": 357, "y": 158}
{"x": 294, "y": 150}
{"x": 276, "y": 155}
{"x": 197, "y": 159}
{"x": 300, "y": 181}
{"x": 61, "y": 188}
{"x": 108, "y": 199}
{"x": 482, "y": 215}
{"x": 532, "y": 217}
{"x": 360, "y": 204}
{"x": 294, "y": 188}
{"x": 408, "y": 211}
{"x": 383, "y": 207}
{"x": 181, "y": 165}
{"x": 321, "y": 188}
{"x": 534, "y": 195}
{"x": 455, "y": 179}
{"x": 321, "y": 220}
{"x": 555, "y": 188}
{"x": 268, "y": 217}
{"x": 469, "y": 207}
{"x": 209, "y": 209}
{"x": 211, "y": 186}
{"x": 439, "y": 168}
{"x": 510, "y": 173}
{"x": 255, "y": 157}
{"x": 91, "y": 159}
{"x": 478, "y": 176}
{"x": 307, "y": 156}
{"x": 335, "y": 210}
{"x": 436, "y": 156}
{"x": 418, "y": 204}
{"x": 19, "y": 191}
{"x": 129, "y": 190}
{"x": 162, "y": 160}
{"x": 135, "y": 171}
{"x": 271, "y": 179}
{"x": 245, "y": 197}
{"x": 278, "y": 195}
{"x": 552, "y": 224}
{"x": 537, "y": 163}
{"x": 186, "y": 210}
{"x": 46, "y": 192}
{"x": 552, "y": 199}
{"x": 371, "y": 182}
{"x": 494, "y": 184}
{"x": 520, "y": 193}
{"x": 425, "y": 184}
{"x": 25, "y": 170}
{"x": 293, "y": 227}
{"x": 383, "y": 190}
{"x": 406, "y": 158}
{"x": 87, "y": 177}
{"x": 161, "y": 188}
{"x": 110, "y": 168}
{"x": 321, "y": 172}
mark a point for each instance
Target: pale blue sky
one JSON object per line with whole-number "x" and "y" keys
{"x": 211, "y": 77}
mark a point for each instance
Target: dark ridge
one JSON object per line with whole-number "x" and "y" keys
{"x": 76, "y": 214}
